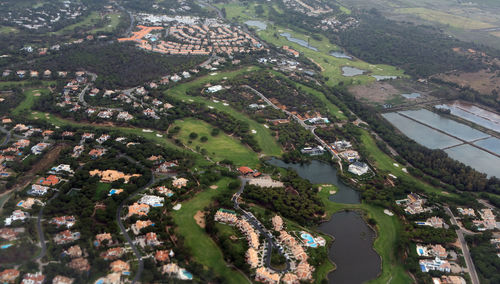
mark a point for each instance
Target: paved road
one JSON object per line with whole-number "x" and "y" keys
{"x": 136, "y": 251}
{"x": 465, "y": 249}
{"x": 270, "y": 240}
{"x": 39, "y": 228}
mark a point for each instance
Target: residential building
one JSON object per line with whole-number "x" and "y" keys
{"x": 152, "y": 200}
{"x": 96, "y": 153}
{"x": 39, "y": 148}
{"x": 119, "y": 266}
{"x": 466, "y": 211}
{"x": 214, "y": 89}
{"x": 8, "y": 234}
{"x": 252, "y": 257}
{"x": 59, "y": 279}
{"x": 62, "y": 168}
{"x": 180, "y": 182}
{"x": 9, "y": 275}
{"x": 313, "y": 151}
{"x": 358, "y": 168}
{"x": 449, "y": 279}
{"x": 277, "y": 223}
{"x": 67, "y": 221}
{"x": 16, "y": 215}
{"x": 427, "y": 265}
{"x": 74, "y": 251}
{"x": 79, "y": 264}
{"x": 138, "y": 209}
{"x": 226, "y": 216}
{"x": 264, "y": 275}
{"x": 109, "y": 176}
{"x": 113, "y": 253}
{"x": 162, "y": 256}
{"x": 99, "y": 238}
{"x": 33, "y": 278}
{"x": 51, "y": 180}
{"x": 139, "y": 225}
{"x": 66, "y": 236}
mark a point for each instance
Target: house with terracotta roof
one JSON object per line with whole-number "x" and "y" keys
{"x": 66, "y": 236}
{"x": 113, "y": 253}
{"x": 264, "y": 275}
{"x": 8, "y": 234}
{"x": 277, "y": 223}
{"x": 79, "y": 264}
{"x": 119, "y": 266}
{"x": 99, "y": 238}
{"x": 245, "y": 170}
{"x": 109, "y": 176}
{"x": 180, "y": 182}
{"x": 252, "y": 257}
{"x": 67, "y": 221}
{"x": 74, "y": 251}
{"x": 138, "y": 209}
{"x": 9, "y": 275}
{"x": 139, "y": 225}
{"x": 152, "y": 239}
{"x": 162, "y": 256}
{"x": 96, "y": 153}
{"x": 49, "y": 181}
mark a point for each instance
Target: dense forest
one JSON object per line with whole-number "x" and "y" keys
{"x": 117, "y": 65}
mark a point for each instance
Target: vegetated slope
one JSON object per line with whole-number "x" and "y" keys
{"x": 117, "y": 65}
{"x": 419, "y": 50}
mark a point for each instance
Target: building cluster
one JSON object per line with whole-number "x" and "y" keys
{"x": 195, "y": 39}
{"x": 413, "y": 204}
{"x": 44, "y": 16}
{"x": 487, "y": 221}
{"x": 308, "y": 7}
{"x": 335, "y": 25}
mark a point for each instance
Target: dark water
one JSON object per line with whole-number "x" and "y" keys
{"x": 320, "y": 173}
{"x": 298, "y": 41}
{"x": 352, "y": 251}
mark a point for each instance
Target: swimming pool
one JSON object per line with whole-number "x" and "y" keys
{"x": 113, "y": 191}
{"x": 100, "y": 281}
{"x": 20, "y": 203}
{"x": 186, "y": 274}
{"x": 309, "y": 240}
{"x": 421, "y": 251}
{"x": 5, "y": 246}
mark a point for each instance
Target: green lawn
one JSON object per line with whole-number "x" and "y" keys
{"x": 29, "y": 100}
{"x": 203, "y": 248}
{"x": 388, "y": 231}
{"x": 7, "y": 30}
{"x": 88, "y": 21}
{"x": 219, "y": 147}
{"x": 331, "y": 66}
{"x": 266, "y": 141}
{"x": 114, "y": 21}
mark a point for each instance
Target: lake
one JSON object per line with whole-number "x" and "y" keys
{"x": 338, "y": 54}
{"x": 352, "y": 251}
{"x": 478, "y": 159}
{"x": 420, "y": 133}
{"x": 348, "y": 71}
{"x": 445, "y": 124}
{"x": 260, "y": 25}
{"x": 298, "y": 41}
{"x": 321, "y": 173}
{"x": 474, "y": 114}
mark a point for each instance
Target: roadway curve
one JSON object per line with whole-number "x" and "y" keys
{"x": 465, "y": 249}
{"x": 122, "y": 227}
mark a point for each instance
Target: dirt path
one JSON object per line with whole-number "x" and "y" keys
{"x": 199, "y": 217}
{"x": 41, "y": 165}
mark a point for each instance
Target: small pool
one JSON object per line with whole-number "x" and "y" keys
{"x": 309, "y": 240}
{"x": 96, "y": 243}
{"x": 423, "y": 268}
{"x": 169, "y": 194}
{"x": 421, "y": 223}
{"x": 113, "y": 191}
{"x": 187, "y": 274}
{"x": 5, "y": 246}
{"x": 158, "y": 205}
{"x": 421, "y": 251}
{"x": 100, "y": 281}
{"x": 126, "y": 272}
{"x": 20, "y": 203}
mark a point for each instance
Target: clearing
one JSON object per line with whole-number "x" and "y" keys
{"x": 483, "y": 81}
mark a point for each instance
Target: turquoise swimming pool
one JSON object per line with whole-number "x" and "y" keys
{"x": 309, "y": 240}
{"x": 5, "y": 246}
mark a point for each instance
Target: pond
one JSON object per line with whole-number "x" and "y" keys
{"x": 474, "y": 114}
{"x": 348, "y": 71}
{"x": 260, "y": 25}
{"x": 411, "y": 96}
{"x": 491, "y": 144}
{"x": 445, "y": 124}
{"x": 298, "y": 41}
{"x": 478, "y": 159}
{"x": 420, "y": 133}
{"x": 352, "y": 251}
{"x": 339, "y": 54}
{"x": 321, "y": 173}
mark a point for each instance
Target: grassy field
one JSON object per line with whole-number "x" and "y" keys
{"x": 29, "y": 100}
{"x": 331, "y": 66}
{"x": 7, "y": 30}
{"x": 203, "y": 248}
{"x": 114, "y": 20}
{"x": 219, "y": 147}
{"x": 267, "y": 142}
{"x": 445, "y": 18}
{"x": 84, "y": 23}
{"x": 388, "y": 230}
